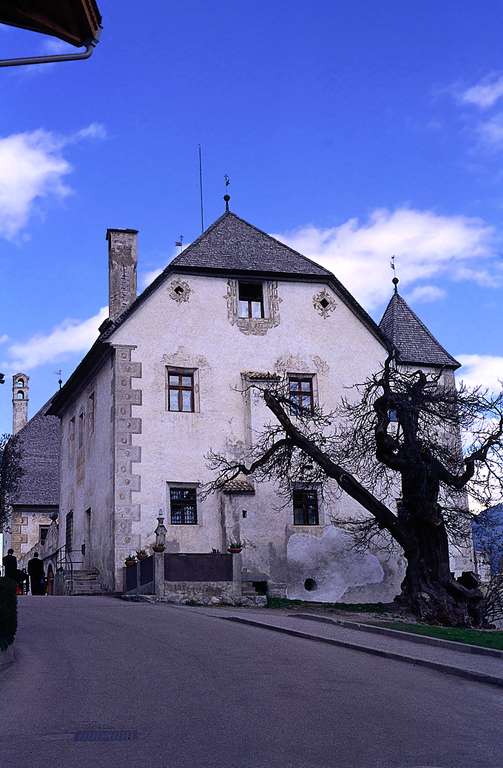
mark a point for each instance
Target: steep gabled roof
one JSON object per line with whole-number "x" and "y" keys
{"x": 414, "y": 342}
{"x": 39, "y": 446}
{"x": 230, "y": 247}
{"x": 233, "y": 245}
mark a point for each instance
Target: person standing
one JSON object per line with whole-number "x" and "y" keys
{"x": 10, "y": 565}
{"x": 36, "y": 574}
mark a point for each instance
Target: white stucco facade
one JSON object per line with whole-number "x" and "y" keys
{"x": 198, "y": 334}
{"x": 123, "y": 449}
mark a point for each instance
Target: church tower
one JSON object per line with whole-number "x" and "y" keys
{"x": 20, "y": 390}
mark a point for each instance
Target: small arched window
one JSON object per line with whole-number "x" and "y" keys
{"x": 20, "y": 395}
{"x": 20, "y": 383}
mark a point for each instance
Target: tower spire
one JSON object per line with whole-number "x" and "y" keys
{"x": 227, "y": 197}
{"x": 395, "y": 280}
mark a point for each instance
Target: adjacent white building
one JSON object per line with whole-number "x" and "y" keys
{"x": 161, "y": 387}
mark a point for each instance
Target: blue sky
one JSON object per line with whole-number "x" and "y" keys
{"x": 353, "y": 132}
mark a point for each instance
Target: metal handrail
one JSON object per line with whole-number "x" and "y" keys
{"x": 65, "y": 562}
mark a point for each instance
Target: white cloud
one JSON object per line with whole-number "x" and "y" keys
{"x": 481, "y": 370}
{"x": 69, "y": 337}
{"x": 91, "y": 131}
{"x": 491, "y": 131}
{"x": 53, "y": 47}
{"x": 486, "y": 93}
{"x": 149, "y": 277}
{"x": 424, "y": 293}
{"x": 32, "y": 168}
{"x": 3, "y": 338}
{"x": 426, "y": 244}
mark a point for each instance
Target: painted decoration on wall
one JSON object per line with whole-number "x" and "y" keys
{"x": 179, "y": 290}
{"x": 324, "y": 303}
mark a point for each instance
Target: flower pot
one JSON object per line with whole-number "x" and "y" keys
{"x": 234, "y": 550}
{"x": 158, "y": 547}
{"x": 131, "y": 562}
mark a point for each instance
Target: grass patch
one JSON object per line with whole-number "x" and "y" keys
{"x": 488, "y": 638}
{"x": 283, "y": 602}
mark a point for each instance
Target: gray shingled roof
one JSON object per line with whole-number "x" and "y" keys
{"x": 39, "y": 446}
{"x": 230, "y": 246}
{"x": 233, "y": 244}
{"x": 411, "y": 337}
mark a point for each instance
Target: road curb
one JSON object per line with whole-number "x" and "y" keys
{"x": 476, "y": 650}
{"x": 446, "y": 668}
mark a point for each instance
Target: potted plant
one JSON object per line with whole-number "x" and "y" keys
{"x": 141, "y": 554}
{"x": 130, "y": 560}
{"x": 235, "y": 547}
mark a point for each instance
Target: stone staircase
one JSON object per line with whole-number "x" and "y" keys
{"x": 84, "y": 582}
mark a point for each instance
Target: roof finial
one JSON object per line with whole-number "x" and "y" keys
{"x": 227, "y": 197}
{"x": 395, "y": 280}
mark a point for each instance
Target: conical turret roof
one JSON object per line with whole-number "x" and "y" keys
{"x": 414, "y": 342}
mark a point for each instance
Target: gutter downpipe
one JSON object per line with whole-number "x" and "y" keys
{"x": 53, "y": 59}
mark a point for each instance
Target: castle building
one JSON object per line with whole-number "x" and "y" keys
{"x": 163, "y": 384}
{"x": 35, "y": 501}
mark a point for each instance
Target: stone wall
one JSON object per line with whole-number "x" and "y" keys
{"x": 201, "y": 592}
{"x": 126, "y": 477}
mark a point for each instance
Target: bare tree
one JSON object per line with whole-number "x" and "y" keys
{"x": 395, "y": 435}
{"x": 488, "y": 543}
{"x": 10, "y": 474}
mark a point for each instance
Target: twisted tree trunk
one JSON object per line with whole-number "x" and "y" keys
{"x": 428, "y": 589}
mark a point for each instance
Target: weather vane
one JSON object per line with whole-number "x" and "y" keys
{"x": 179, "y": 243}
{"x": 227, "y": 197}
{"x": 59, "y": 374}
{"x": 395, "y": 280}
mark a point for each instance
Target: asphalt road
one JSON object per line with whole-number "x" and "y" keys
{"x": 195, "y": 691}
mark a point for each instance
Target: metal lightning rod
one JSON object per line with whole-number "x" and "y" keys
{"x": 201, "y": 186}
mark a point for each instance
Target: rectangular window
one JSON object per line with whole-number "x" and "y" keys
{"x": 81, "y": 429}
{"x": 301, "y": 394}
{"x": 71, "y": 432}
{"x": 251, "y": 300}
{"x": 183, "y": 506}
{"x": 305, "y": 507}
{"x": 42, "y": 533}
{"x": 90, "y": 413}
{"x": 69, "y": 531}
{"x": 180, "y": 390}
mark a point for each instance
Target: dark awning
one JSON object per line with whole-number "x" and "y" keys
{"x": 75, "y": 21}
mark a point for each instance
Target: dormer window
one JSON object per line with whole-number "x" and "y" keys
{"x": 253, "y": 305}
{"x": 251, "y": 300}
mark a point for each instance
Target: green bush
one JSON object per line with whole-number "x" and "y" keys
{"x": 8, "y": 612}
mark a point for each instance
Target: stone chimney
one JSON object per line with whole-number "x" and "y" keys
{"x": 20, "y": 390}
{"x": 121, "y": 270}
